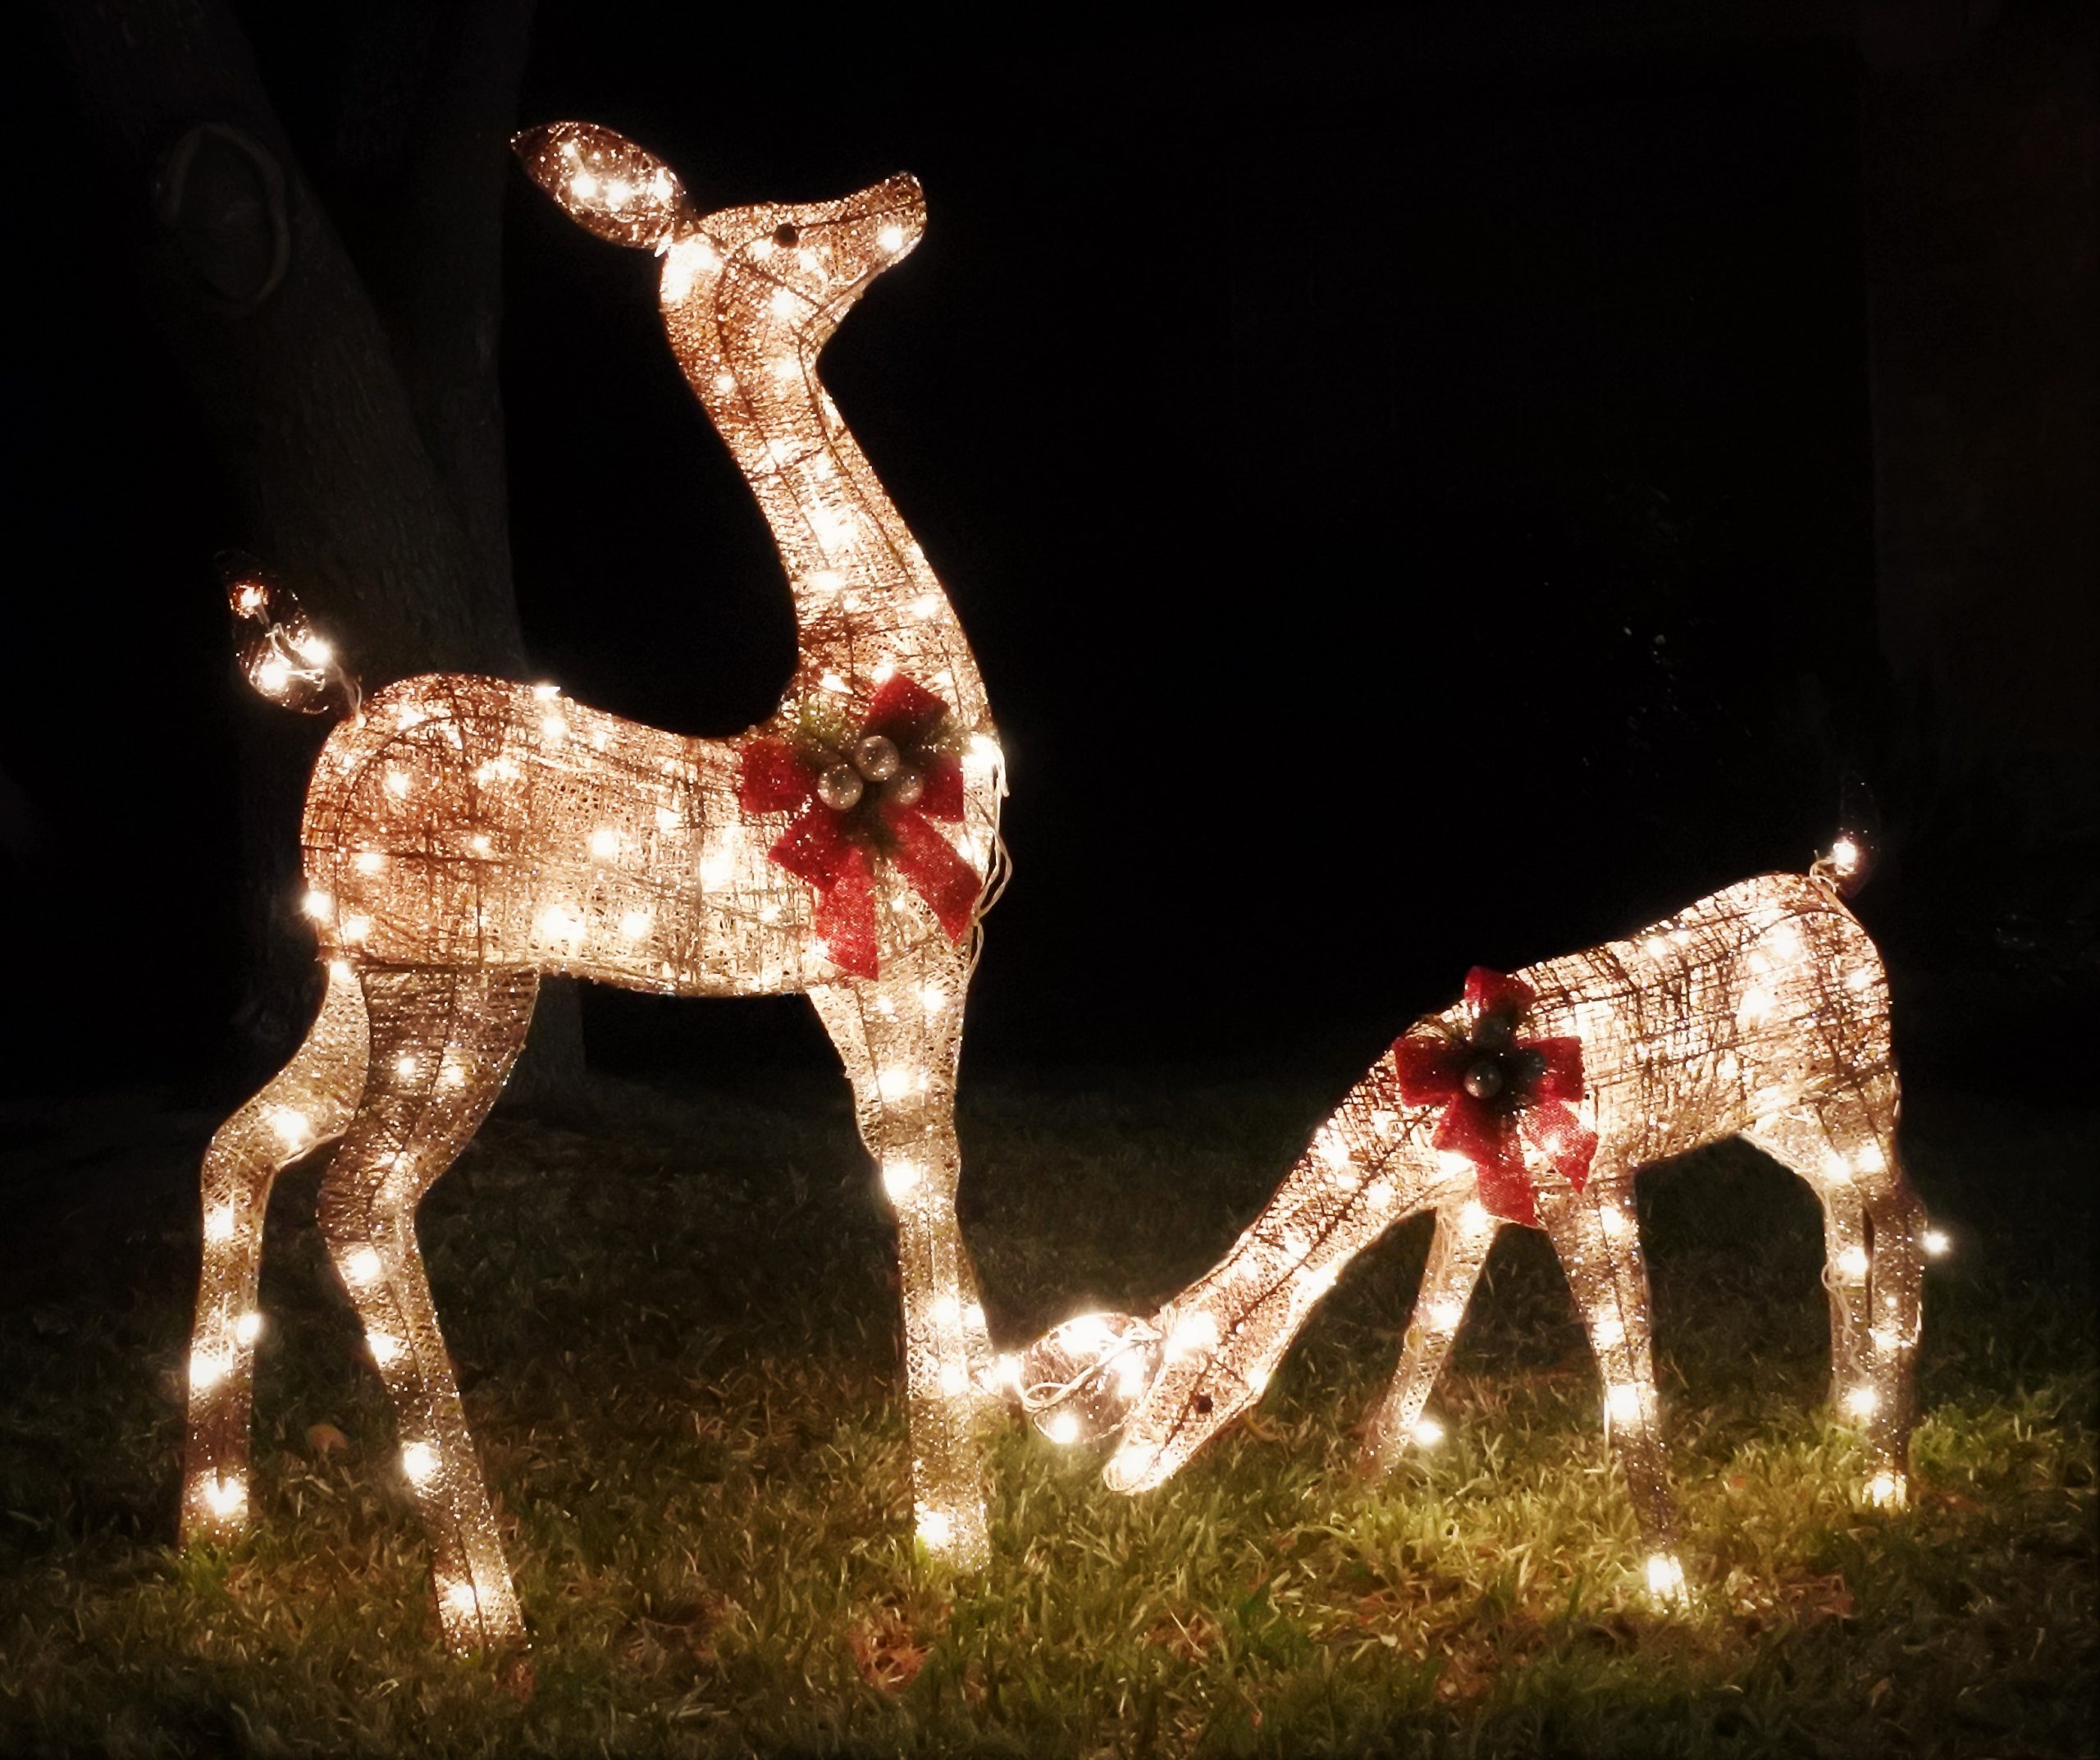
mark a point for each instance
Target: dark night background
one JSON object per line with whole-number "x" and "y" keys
{"x": 1422, "y": 491}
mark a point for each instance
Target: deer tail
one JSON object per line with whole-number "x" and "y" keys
{"x": 280, "y": 653}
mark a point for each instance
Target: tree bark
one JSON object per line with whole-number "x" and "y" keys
{"x": 350, "y": 395}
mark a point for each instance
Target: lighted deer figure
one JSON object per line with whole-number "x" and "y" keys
{"x": 1761, "y": 1011}
{"x": 465, "y": 835}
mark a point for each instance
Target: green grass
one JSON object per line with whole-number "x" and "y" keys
{"x": 677, "y": 1335}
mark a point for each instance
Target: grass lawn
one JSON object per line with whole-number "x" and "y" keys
{"x": 678, "y": 1336}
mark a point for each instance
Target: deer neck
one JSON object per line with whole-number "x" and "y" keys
{"x": 866, "y": 602}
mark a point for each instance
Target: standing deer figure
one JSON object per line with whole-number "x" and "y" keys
{"x": 1760, "y": 1011}
{"x": 465, "y": 835}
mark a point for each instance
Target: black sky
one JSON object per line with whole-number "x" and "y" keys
{"x": 1408, "y": 490}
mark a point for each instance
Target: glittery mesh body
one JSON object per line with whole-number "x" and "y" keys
{"x": 471, "y": 821}
{"x": 465, "y": 835}
{"x": 1760, "y": 1011}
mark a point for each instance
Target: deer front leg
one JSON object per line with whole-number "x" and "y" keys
{"x": 1599, "y": 1241}
{"x": 900, "y": 1037}
{"x": 1464, "y": 1233}
{"x": 442, "y": 1043}
{"x": 306, "y": 1104}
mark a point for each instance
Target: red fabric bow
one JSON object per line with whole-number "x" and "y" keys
{"x": 832, "y": 849}
{"x": 1495, "y": 1087}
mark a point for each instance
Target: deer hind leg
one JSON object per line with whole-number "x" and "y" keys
{"x": 1798, "y": 1141}
{"x": 306, "y": 1104}
{"x": 1844, "y": 1146}
{"x": 1456, "y": 1256}
{"x": 1599, "y": 1241}
{"x": 900, "y": 1037}
{"x": 442, "y": 1042}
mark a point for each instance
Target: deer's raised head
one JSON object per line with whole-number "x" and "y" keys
{"x": 780, "y": 269}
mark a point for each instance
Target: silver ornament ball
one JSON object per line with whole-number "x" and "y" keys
{"x": 907, "y": 788}
{"x": 839, "y": 787}
{"x": 1491, "y": 1030}
{"x": 875, "y": 756}
{"x": 1484, "y": 1080}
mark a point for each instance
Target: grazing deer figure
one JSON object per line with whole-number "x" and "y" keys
{"x": 465, "y": 835}
{"x": 1761, "y": 1011}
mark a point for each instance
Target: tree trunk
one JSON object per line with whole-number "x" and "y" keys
{"x": 346, "y": 381}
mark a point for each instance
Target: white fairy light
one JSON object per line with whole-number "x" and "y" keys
{"x": 1428, "y": 1432}
{"x": 1193, "y": 1335}
{"x": 419, "y": 1462}
{"x": 1665, "y": 1576}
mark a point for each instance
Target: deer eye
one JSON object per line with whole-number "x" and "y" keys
{"x": 785, "y": 234}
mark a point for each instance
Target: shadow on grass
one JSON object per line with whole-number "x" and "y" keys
{"x": 676, "y": 1326}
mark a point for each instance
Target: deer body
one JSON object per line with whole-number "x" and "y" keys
{"x": 1759, "y": 1011}
{"x": 465, "y": 835}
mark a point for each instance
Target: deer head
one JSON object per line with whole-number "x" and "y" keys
{"x": 770, "y": 274}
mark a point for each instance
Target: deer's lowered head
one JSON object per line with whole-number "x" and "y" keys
{"x": 772, "y": 275}
{"x": 1223, "y": 1336}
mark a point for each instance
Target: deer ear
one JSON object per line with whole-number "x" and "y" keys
{"x": 604, "y": 182}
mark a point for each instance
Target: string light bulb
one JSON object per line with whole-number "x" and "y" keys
{"x": 1078, "y": 1382}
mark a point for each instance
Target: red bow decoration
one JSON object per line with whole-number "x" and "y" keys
{"x": 1495, "y": 1086}
{"x": 894, "y": 778}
